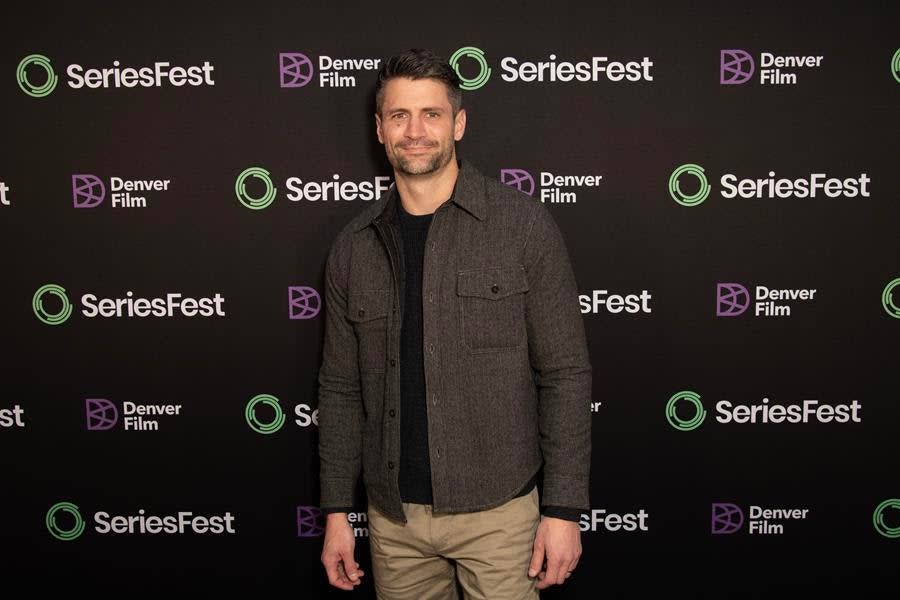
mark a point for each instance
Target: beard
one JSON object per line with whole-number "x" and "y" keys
{"x": 421, "y": 165}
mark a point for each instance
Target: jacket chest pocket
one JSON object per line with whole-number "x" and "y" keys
{"x": 367, "y": 310}
{"x": 492, "y": 307}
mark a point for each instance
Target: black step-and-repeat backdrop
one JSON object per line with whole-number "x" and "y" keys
{"x": 726, "y": 179}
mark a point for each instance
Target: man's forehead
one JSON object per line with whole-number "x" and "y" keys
{"x": 402, "y": 92}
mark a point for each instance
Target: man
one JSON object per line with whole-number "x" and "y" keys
{"x": 454, "y": 367}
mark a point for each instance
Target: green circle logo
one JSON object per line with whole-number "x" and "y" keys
{"x": 878, "y": 519}
{"x": 257, "y": 425}
{"x": 675, "y": 189}
{"x": 483, "y": 74}
{"x": 33, "y": 90}
{"x": 679, "y": 423}
{"x": 64, "y": 534}
{"x": 37, "y": 303}
{"x": 240, "y": 188}
{"x": 895, "y": 65}
{"x": 887, "y": 299}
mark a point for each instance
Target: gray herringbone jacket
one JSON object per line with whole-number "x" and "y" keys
{"x": 508, "y": 378}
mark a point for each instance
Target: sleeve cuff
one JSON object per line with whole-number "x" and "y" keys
{"x": 562, "y": 512}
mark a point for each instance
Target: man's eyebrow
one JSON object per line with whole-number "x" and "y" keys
{"x": 391, "y": 111}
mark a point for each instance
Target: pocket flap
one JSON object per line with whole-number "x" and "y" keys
{"x": 366, "y": 305}
{"x": 493, "y": 283}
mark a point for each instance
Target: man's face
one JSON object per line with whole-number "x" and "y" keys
{"x": 417, "y": 126}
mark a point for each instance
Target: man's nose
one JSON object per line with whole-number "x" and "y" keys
{"x": 415, "y": 128}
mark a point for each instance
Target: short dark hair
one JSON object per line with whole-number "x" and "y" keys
{"x": 418, "y": 63}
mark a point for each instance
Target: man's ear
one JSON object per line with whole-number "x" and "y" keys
{"x": 459, "y": 125}
{"x": 378, "y": 128}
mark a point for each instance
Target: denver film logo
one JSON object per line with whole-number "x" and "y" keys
{"x": 304, "y": 302}
{"x": 732, "y": 299}
{"x": 726, "y": 518}
{"x": 265, "y": 427}
{"x": 887, "y": 299}
{"x": 519, "y": 179}
{"x": 735, "y": 67}
{"x": 891, "y": 531}
{"x": 309, "y": 521}
{"x": 682, "y": 197}
{"x": 679, "y": 422}
{"x": 295, "y": 70}
{"x": 51, "y": 318}
{"x": 258, "y": 202}
{"x": 70, "y": 513}
{"x": 101, "y": 414}
{"x": 33, "y": 89}
{"x": 555, "y": 189}
{"x": 484, "y": 71}
{"x": 88, "y": 191}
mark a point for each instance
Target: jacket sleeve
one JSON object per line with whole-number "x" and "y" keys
{"x": 340, "y": 404}
{"x": 559, "y": 358}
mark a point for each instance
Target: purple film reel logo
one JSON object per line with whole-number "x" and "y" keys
{"x": 303, "y": 302}
{"x": 726, "y": 518}
{"x": 294, "y": 69}
{"x": 101, "y": 414}
{"x": 736, "y": 67}
{"x": 88, "y": 191}
{"x": 309, "y": 521}
{"x": 732, "y": 299}
{"x": 519, "y": 179}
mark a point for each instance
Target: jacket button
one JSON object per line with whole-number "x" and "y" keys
{"x": 495, "y": 288}
{"x": 393, "y": 362}
{"x": 392, "y": 412}
{"x": 390, "y": 464}
{"x": 362, "y": 313}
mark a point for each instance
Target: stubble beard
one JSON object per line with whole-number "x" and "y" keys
{"x": 413, "y": 166}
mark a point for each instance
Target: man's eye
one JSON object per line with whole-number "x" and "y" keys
{"x": 398, "y": 116}
{"x": 434, "y": 114}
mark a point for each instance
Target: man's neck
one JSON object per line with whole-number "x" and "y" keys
{"x": 423, "y": 194}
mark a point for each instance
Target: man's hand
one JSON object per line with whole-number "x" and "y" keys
{"x": 559, "y": 541}
{"x": 337, "y": 554}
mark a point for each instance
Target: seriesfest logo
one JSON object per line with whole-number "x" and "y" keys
{"x": 4, "y": 199}
{"x": 89, "y": 191}
{"x": 296, "y": 70}
{"x": 553, "y": 188}
{"x": 51, "y": 305}
{"x": 263, "y": 413}
{"x": 255, "y": 189}
{"x": 310, "y": 522}
{"x": 601, "y": 520}
{"x": 65, "y": 523}
{"x": 814, "y": 185}
{"x": 37, "y": 77}
{"x": 733, "y": 299}
{"x": 888, "y": 526}
{"x": 685, "y": 412}
{"x": 895, "y": 65}
{"x": 887, "y": 299}
{"x": 737, "y": 67}
{"x": 102, "y": 415}
{"x": 12, "y": 417}
{"x": 594, "y": 70}
{"x": 602, "y": 301}
{"x": 729, "y": 518}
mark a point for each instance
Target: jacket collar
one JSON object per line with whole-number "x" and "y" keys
{"x": 468, "y": 194}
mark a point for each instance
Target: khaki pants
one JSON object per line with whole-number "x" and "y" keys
{"x": 488, "y": 550}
